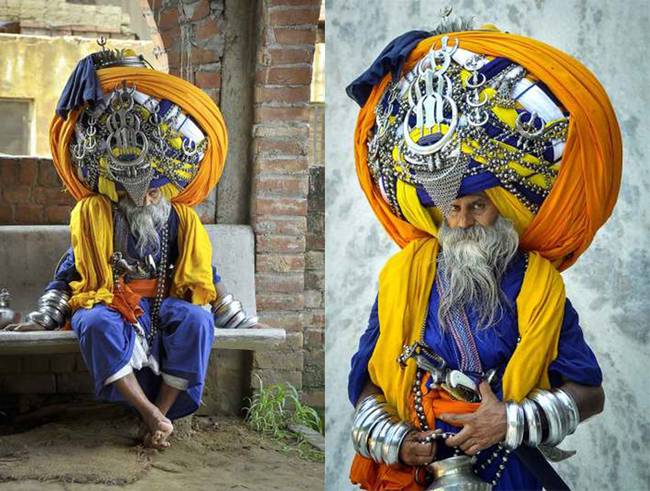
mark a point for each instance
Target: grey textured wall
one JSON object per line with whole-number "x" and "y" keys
{"x": 608, "y": 285}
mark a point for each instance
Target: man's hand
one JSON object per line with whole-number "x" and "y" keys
{"x": 412, "y": 452}
{"x": 24, "y": 327}
{"x": 481, "y": 429}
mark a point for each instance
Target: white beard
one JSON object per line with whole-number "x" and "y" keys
{"x": 145, "y": 222}
{"x": 475, "y": 260}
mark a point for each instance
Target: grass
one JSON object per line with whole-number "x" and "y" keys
{"x": 272, "y": 409}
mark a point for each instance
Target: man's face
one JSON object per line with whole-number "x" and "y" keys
{"x": 151, "y": 198}
{"x": 470, "y": 210}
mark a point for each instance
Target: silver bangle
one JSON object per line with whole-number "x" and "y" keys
{"x": 41, "y": 319}
{"x": 570, "y": 408}
{"x": 53, "y": 309}
{"x": 533, "y": 422}
{"x": 377, "y": 433}
{"x": 229, "y": 314}
{"x": 393, "y": 442}
{"x": 550, "y": 406}
{"x": 514, "y": 425}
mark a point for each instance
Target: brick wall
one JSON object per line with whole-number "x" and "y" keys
{"x": 32, "y": 193}
{"x": 287, "y": 32}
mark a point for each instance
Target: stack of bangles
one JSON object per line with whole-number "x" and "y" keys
{"x": 53, "y": 310}
{"x": 377, "y": 432}
{"x": 543, "y": 418}
{"x": 229, "y": 314}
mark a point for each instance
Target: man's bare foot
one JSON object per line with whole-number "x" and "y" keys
{"x": 159, "y": 429}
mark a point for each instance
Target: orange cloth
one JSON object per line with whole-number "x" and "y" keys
{"x": 589, "y": 179}
{"x": 192, "y": 100}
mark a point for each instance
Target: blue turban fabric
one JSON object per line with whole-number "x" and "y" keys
{"x": 82, "y": 87}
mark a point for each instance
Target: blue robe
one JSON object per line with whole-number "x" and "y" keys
{"x": 182, "y": 345}
{"x": 575, "y": 362}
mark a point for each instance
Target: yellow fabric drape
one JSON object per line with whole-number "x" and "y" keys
{"x": 91, "y": 230}
{"x": 194, "y": 265}
{"x": 91, "y": 233}
{"x": 192, "y": 100}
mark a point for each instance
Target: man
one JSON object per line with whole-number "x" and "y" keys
{"x": 461, "y": 139}
{"x": 138, "y": 279}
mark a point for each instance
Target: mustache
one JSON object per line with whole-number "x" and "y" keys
{"x": 145, "y": 223}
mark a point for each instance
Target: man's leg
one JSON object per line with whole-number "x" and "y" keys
{"x": 159, "y": 426}
{"x": 166, "y": 397}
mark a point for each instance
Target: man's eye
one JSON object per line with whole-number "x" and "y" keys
{"x": 479, "y": 205}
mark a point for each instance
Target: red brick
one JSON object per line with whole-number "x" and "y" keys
{"x": 279, "y": 3}
{"x": 314, "y": 338}
{"x": 295, "y": 75}
{"x": 58, "y": 215}
{"x": 294, "y": 17}
{"x": 292, "y": 36}
{"x": 205, "y": 55}
{"x": 279, "y": 301}
{"x": 17, "y": 194}
{"x": 7, "y": 215}
{"x": 270, "y": 164}
{"x": 291, "y": 321}
{"x": 280, "y": 282}
{"x": 279, "y": 263}
{"x": 52, "y": 196}
{"x": 172, "y": 38}
{"x": 47, "y": 175}
{"x": 173, "y": 56}
{"x": 167, "y": 19}
{"x": 283, "y": 186}
{"x": 315, "y": 319}
{"x": 290, "y": 56}
{"x": 207, "y": 80}
{"x": 295, "y": 225}
{"x": 282, "y": 94}
{"x": 214, "y": 94}
{"x": 280, "y": 244}
{"x": 281, "y": 206}
{"x": 8, "y": 171}
{"x": 206, "y": 29}
{"x": 29, "y": 215}
{"x": 27, "y": 172}
{"x": 273, "y": 147}
{"x": 201, "y": 10}
{"x": 273, "y": 113}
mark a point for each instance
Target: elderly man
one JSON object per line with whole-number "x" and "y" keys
{"x": 138, "y": 279}
{"x": 472, "y": 348}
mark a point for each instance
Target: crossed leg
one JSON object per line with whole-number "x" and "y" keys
{"x": 158, "y": 425}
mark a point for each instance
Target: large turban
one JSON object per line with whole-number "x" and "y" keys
{"x": 187, "y": 158}
{"x": 556, "y": 207}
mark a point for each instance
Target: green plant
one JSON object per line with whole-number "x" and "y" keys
{"x": 272, "y": 409}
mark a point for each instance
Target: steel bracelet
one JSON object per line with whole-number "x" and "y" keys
{"x": 533, "y": 422}
{"x": 514, "y": 425}
{"x": 570, "y": 407}
{"x": 550, "y": 406}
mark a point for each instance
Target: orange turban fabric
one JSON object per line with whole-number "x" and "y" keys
{"x": 584, "y": 194}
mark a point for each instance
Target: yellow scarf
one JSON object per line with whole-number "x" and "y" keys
{"x": 91, "y": 231}
{"x": 405, "y": 284}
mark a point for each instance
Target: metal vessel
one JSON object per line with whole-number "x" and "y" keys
{"x": 7, "y": 315}
{"x": 456, "y": 474}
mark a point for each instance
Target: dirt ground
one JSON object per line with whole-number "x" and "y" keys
{"x": 99, "y": 451}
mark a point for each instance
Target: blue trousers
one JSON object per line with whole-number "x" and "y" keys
{"x": 182, "y": 348}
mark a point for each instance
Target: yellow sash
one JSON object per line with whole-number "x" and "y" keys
{"x": 91, "y": 231}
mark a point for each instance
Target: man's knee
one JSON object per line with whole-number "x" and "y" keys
{"x": 96, "y": 320}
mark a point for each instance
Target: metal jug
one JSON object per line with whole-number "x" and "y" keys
{"x": 7, "y": 315}
{"x": 456, "y": 474}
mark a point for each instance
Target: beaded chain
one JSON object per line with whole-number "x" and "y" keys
{"x": 161, "y": 284}
{"x": 424, "y": 426}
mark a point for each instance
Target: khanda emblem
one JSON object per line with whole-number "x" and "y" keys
{"x": 431, "y": 105}
{"x": 127, "y": 145}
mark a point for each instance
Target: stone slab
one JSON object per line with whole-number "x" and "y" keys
{"x": 29, "y": 255}
{"x": 15, "y": 343}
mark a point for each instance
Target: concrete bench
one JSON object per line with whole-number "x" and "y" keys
{"x": 29, "y": 254}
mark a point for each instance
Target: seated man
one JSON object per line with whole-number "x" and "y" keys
{"x": 491, "y": 159}
{"x": 138, "y": 279}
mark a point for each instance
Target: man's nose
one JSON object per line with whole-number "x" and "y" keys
{"x": 465, "y": 219}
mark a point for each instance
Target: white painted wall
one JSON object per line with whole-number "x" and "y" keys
{"x": 609, "y": 284}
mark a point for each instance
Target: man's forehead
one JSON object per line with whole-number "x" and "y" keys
{"x": 470, "y": 197}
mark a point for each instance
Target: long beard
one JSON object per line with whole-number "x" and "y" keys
{"x": 145, "y": 222}
{"x": 475, "y": 260}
